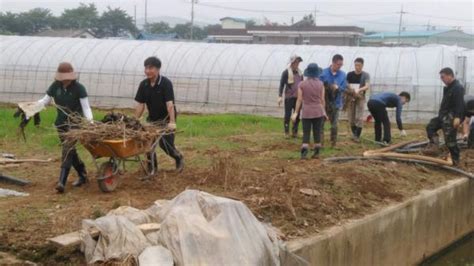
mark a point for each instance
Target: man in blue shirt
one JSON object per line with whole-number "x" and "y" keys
{"x": 335, "y": 84}
{"x": 378, "y": 105}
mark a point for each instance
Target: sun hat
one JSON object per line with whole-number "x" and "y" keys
{"x": 312, "y": 71}
{"x": 65, "y": 72}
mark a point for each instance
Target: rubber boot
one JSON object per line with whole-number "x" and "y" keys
{"x": 333, "y": 137}
{"x": 82, "y": 173}
{"x": 433, "y": 147}
{"x": 179, "y": 163}
{"x": 315, "y": 153}
{"x": 62, "y": 180}
{"x": 354, "y": 131}
{"x": 470, "y": 139}
{"x": 304, "y": 152}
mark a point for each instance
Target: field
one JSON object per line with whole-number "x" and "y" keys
{"x": 238, "y": 156}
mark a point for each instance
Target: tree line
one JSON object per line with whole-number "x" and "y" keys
{"x": 113, "y": 22}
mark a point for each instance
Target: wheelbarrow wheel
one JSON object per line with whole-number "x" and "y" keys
{"x": 108, "y": 179}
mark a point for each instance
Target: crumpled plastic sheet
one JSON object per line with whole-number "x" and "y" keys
{"x": 8, "y": 192}
{"x": 30, "y": 108}
{"x": 196, "y": 227}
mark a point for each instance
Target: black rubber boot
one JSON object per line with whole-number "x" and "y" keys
{"x": 62, "y": 180}
{"x": 359, "y": 132}
{"x": 354, "y": 131}
{"x": 315, "y": 153}
{"x": 82, "y": 173}
{"x": 470, "y": 139}
{"x": 179, "y": 163}
{"x": 333, "y": 137}
{"x": 304, "y": 153}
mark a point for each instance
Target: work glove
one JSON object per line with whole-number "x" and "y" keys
{"x": 171, "y": 126}
{"x": 280, "y": 100}
{"x": 294, "y": 116}
{"x": 456, "y": 122}
{"x": 403, "y": 133}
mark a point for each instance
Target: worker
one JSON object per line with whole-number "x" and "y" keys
{"x": 71, "y": 100}
{"x": 311, "y": 99}
{"x": 450, "y": 115}
{"x": 289, "y": 82}
{"x": 156, "y": 92}
{"x": 334, "y": 80}
{"x": 358, "y": 83}
{"x": 468, "y": 126}
{"x": 378, "y": 105}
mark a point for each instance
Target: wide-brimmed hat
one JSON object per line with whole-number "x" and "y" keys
{"x": 65, "y": 72}
{"x": 294, "y": 58}
{"x": 312, "y": 71}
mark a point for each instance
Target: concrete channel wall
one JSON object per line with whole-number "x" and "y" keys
{"x": 402, "y": 234}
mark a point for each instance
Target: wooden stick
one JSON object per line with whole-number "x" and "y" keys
{"x": 9, "y": 161}
{"x": 74, "y": 238}
{"x": 352, "y": 158}
{"x": 389, "y": 148}
{"x": 409, "y": 156}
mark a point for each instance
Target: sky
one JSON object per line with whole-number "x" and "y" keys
{"x": 381, "y": 15}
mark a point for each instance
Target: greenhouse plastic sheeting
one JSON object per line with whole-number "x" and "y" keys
{"x": 210, "y": 77}
{"x": 196, "y": 227}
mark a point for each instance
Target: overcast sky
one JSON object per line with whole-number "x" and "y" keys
{"x": 375, "y": 15}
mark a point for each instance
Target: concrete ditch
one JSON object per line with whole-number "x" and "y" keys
{"x": 401, "y": 234}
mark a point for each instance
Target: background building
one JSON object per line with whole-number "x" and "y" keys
{"x": 419, "y": 38}
{"x": 235, "y": 30}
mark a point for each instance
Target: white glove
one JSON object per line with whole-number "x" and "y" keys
{"x": 280, "y": 100}
{"x": 294, "y": 116}
{"x": 403, "y": 133}
{"x": 171, "y": 126}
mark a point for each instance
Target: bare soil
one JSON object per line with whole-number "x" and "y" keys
{"x": 265, "y": 175}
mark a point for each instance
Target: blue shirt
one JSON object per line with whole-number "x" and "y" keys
{"x": 391, "y": 100}
{"x": 339, "y": 79}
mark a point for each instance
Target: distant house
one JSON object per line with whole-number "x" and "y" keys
{"x": 67, "y": 33}
{"x": 157, "y": 37}
{"x": 233, "y": 30}
{"x": 233, "y": 23}
{"x": 419, "y": 38}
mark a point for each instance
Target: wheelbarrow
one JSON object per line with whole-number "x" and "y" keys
{"x": 118, "y": 152}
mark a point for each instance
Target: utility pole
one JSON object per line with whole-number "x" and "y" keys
{"x": 146, "y": 12}
{"x": 315, "y": 11}
{"x": 192, "y": 18}
{"x": 400, "y": 24}
{"x": 135, "y": 14}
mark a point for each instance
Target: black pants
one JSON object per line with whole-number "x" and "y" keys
{"x": 69, "y": 156}
{"x": 450, "y": 133}
{"x": 167, "y": 145}
{"x": 316, "y": 124}
{"x": 380, "y": 115}
{"x": 290, "y": 106}
{"x": 470, "y": 139}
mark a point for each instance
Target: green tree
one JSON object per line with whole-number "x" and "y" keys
{"x": 82, "y": 17}
{"x": 158, "y": 27}
{"x": 33, "y": 21}
{"x": 184, "y": 31}
{"x": 115, "y": 22}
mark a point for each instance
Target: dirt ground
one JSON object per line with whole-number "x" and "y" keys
{"x": 257, "y": 172}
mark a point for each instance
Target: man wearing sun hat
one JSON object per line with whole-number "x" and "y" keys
{"x": 70, "y": 98}
{"x": 290, "y": 79}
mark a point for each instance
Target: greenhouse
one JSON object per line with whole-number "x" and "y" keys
{"x": 210, "y": 77}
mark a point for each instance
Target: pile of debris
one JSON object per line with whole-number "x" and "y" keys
{"x": 195, "y": 228}
{"x": 114, "y": 126}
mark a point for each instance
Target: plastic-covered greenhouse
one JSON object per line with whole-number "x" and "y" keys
{"x": 211, "y": 77}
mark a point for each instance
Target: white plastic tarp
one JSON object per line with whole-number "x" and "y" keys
{"x": 196, "y": 227}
